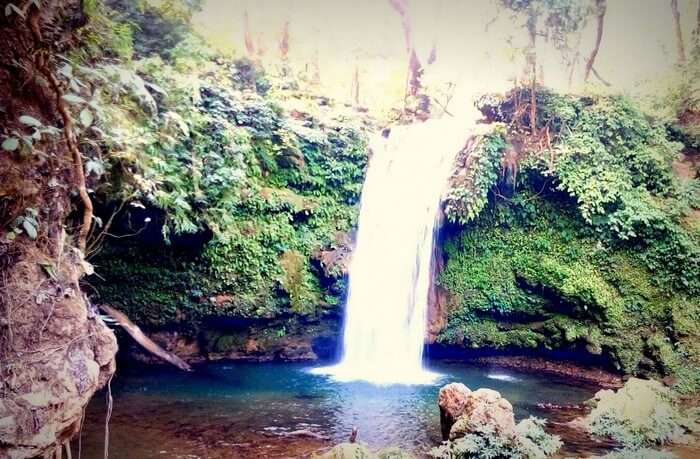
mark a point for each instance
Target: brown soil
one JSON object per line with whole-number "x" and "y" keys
{"x": 54, "y": 351}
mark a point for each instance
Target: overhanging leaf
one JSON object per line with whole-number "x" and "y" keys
{"x": 30, "y": 121}
{"x": 86, "y": 117}
{"x": 73, "y": 99}
{"x": 29, "y": 229}
{"x": 10, "y": 144}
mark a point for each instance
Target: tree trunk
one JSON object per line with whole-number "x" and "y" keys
{"x": 680, "y": 49}
{"x": 601, "y": 6}
{"x": 247, "y": 36}
{"x": 574, "y": 60}
{"x": 284, "y": 42}
{"x": 356, "y": 86}
{"x": 696, "y": 32}
{"x": 415, "y": 69}
{"x": 532, "y": 61}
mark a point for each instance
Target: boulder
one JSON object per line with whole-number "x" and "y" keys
{"x": 485, "y": 411}
{"x": 478, "y": 412}
{"x": 452, "y": 401}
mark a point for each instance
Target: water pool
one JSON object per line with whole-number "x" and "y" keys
{"x": 230, "y": 410}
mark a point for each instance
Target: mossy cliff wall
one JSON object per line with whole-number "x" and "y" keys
{"x": 580, "y": 238}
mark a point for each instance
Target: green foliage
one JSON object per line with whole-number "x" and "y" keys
{"x": 469, "y": 196}
{"x": 188, "y": 136}
{"x": 531, "y": 273}
{"x": 617, "y": 164}
{"x": 530, "y": 441}
{"x": 161, "y": 289}
{"x": 593, "y": 250}
{"x": 27, "y": 224}
{"x": 636, "y": 453}
{"x": 105, "y": 34}
{"x": 641, "y": 414}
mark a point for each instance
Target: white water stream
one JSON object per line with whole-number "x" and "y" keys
{"x": 390, "y": 271}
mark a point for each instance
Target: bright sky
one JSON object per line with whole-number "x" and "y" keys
{"x": 638, "y": 42}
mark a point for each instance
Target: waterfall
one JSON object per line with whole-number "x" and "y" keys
{"x": 390, "y": 270}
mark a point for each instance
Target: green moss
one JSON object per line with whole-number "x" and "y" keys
{"x": 467, "y": 198}
{"x": 271, "y": 189}
{"x": 538, "y": 277}
{"x": 591, "y": 250}
{"x": 228, "y": 343}
{"x": 151, "y": 289}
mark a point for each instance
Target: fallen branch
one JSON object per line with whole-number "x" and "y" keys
{"x": 147, "y": 343}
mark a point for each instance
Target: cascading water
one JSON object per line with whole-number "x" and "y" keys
{"x": 390, "y": 269}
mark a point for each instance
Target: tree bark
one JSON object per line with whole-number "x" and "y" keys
{"x": 415, "y": 69}
{"x": 574, "y": 60}
{"x": 140, "y": 337}
{"x": 47, "y": 328}
{"x": 247, "y": 36}
{"x": 696, "y": 32}
{"x": 532, "y": 60}
{"x": 356, "y": 85}
{"x": 680, "y": 49}
{"x": 284, "y": 42}
{"x": 601, "y": 6}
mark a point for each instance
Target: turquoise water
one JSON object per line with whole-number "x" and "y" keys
{"x": 282, "y": 410}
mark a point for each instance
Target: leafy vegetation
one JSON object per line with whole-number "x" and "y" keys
{"x": 467, "y": 198}
{"x": 596, "y": 248}
{"x": 643, "y": 414}
{"x": 263, "y": 178}
{"x": 529, "y": 441}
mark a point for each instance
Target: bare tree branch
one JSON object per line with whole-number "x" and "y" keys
{"x": 601, "y": 6}
{"x": 680, "y": 49}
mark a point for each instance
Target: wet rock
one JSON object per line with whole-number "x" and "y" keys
{"x": 452, "y": 401}
{"x": 58, "y": 355}
{"x": 296, "y": 349}
{"x": 335, "y": 260}
{"x": 484, "y": 411}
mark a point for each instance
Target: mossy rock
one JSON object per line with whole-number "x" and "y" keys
{"x": 361, "y": 451}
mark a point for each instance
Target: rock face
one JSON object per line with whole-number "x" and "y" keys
{"x": 463, "y": 411}
{"x": 58, "y": 354}
{"x": 54, "y": 350}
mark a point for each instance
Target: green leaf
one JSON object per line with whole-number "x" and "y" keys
{"x": 73, "y": 99}
{"x": 30, "y": 121}
{"x": 10, "y": 8}
{"x": 66, "y": 70}
{"x": 10, "y": 144}
{"x": 86, "y": 117}
{"x": 49, "y": 269}
{"x": 29, "y": 229}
